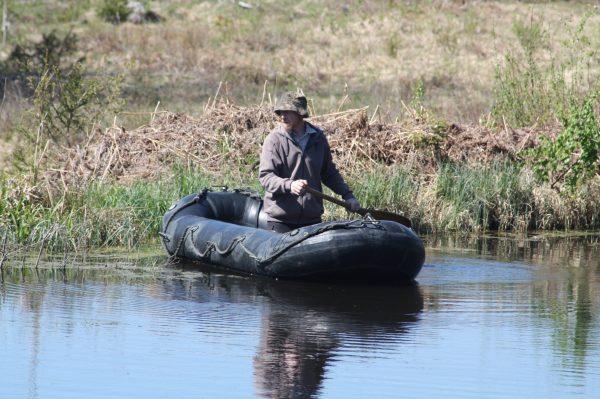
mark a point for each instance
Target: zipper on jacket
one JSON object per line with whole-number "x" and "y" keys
{"x": 304, "y": 169}
{"x": 302, "y": 162}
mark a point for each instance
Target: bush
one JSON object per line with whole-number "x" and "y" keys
{"x": 66, "y": 107}
{"x": 530, "y": 90}
{"x": 574, "y": 156}
{"x": 28, "y": 62}
{"x": 68, "y": 103}
{"x": 114, "y": 11}
{"x": 525, "y": 92}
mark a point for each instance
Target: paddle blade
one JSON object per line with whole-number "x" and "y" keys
{"x": 385, "y": 215}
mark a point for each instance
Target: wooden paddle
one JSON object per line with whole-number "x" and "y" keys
{"x": 375, "y": 213}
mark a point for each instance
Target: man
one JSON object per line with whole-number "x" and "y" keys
{"x": 296, "y": 155}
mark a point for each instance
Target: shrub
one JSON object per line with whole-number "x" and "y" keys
{"x": 523, "y": 88}
{"x": 574, "y": 156}
{"x": 66, "y": 107}
{"x": 529, "y": 90}
{"x": 114, "y": 11}
{"x": 28, "y": 62}
{"x": 67, "y": 103}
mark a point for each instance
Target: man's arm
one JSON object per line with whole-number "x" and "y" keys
{"x": 268, "y": 170}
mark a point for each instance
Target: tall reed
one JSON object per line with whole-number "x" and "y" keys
{"x": 481, "y": 198}
{"x": 500, "y": 196}
{"x": 101, "y": 214}
{"x": 465, "y": 198}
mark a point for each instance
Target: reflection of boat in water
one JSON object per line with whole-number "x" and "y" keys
{"x": 225, "y": 229}
{"x": 361, "y": 309}
{"x": 306, "y": 326}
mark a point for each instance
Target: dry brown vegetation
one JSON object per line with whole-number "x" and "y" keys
{"x": 355, "y": 54}
{"x": 226, "y": 140}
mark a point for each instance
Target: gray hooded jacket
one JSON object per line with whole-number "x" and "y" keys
{"x": 283, "y": 161}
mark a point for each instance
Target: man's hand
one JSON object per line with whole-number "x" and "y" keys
{"x": 353, "y": 204}
{"x": 298, "y": 187}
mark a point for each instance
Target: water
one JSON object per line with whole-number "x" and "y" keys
{"x": 490, "y": 318}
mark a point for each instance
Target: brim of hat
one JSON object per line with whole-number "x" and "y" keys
{"x": 302, "y": 114}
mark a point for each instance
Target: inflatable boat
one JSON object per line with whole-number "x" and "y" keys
{"x": 227, "y": 229}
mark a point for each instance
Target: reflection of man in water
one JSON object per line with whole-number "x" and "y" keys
{"x": 304, "y": 324}
{"x": 293, "y": 351}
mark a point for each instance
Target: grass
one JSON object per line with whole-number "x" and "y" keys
{"x": 503, "y": 196}
{"x": 98, "y": 215}
{"x": 457, "y": 198}
{"x": 492, "y": 197}
{"x": 374, "y": 51}
{"x": 536, "y": 81}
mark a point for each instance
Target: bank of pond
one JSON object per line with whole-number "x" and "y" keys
{"x": 498, "y": 197}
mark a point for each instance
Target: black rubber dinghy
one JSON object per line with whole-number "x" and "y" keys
{"x": 227, "y": 229}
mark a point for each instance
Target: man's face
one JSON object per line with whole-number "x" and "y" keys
{"x": 291, "y": 120}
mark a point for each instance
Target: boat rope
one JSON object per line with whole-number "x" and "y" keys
{"x": 193, "y": 200}
{"x": 213, "y": 246}
{"x": 210, "y": 245}
{"x": 189, "y": 229}
{"x": 285, "y": 243}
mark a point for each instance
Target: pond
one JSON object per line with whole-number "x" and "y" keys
{"x": 490, "y": 317}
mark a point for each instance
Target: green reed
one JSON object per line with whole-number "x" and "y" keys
{"x": 100, "y": 214}
{"x": 499, "y": 196}
{"x": 481, "y": 198}
{"x": 392, "y": 188}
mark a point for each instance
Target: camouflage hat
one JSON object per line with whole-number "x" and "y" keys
{"x": 292, "y": 101}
